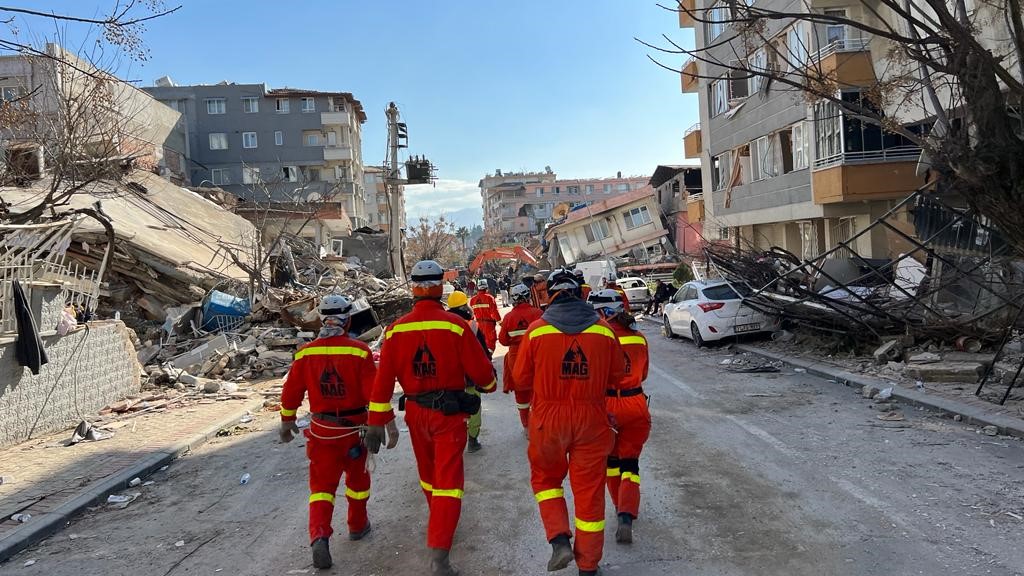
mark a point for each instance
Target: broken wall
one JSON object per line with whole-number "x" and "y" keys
{"x": 87, "y": 370}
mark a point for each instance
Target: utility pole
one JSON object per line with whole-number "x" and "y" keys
{"x": 417, "y": 171}
{"x": 392, "y": 180}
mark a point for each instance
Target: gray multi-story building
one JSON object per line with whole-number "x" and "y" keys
{"x": 276, "y": 148}
{"x": 780, "y": 171}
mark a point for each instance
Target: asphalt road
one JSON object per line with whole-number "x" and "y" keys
{"x": 744, "y": 474}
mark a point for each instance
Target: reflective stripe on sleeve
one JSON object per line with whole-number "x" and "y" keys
{"x": 515, "y": 333}
{"x": 321, "y": 497}
{"x": 613, "y": 472}
{"x": 426, "y": 486}
{"x": 453, "y": 493}
{"x": 481, "y": 305}
{"x": 633, "y": 340}
{"x": 549, "y": 494}
{"x": 425, "y": 325}
{"x": 589, "y": 526}
{"x": 287, "y": 412}
{"x": 350, "y": 493}
{"x": 331, "y": 351}
{"x": 490, "y": 386}
{"x": 524, "y": 406}
{"x": 380, "y": 407}
{"x": 634, "y": 478}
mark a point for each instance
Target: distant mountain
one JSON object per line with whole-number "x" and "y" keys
{"x": 468, "y": 217}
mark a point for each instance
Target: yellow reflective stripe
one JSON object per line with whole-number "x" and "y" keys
{"x": 426, "y": 486}
{"x": 595, "y": 329}
{"x": 481, "y": 305}
{"x": 525, "y": 406}
{"x": 490, "y": 386}
{"x": 380, "y": 407}
{"x": 632, "y": 340}
{"x": 357, "y": 495}
{"x": 634, "y": 478}
{"x": 453, "y": 493}
{"x": 287, "y": 412}
{"x": 612, "y": 472}
{"x": 517, "y": 333}
{"x": 549, "y": 494}
{"x": 331, "y": 351}
{"x": 425, "y": 325}
{"x": 321, "y": 497}
{"x": 589, "y": 526}
{"x": 544, "y": 331}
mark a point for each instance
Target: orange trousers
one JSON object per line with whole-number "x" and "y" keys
{"x": 573, "y": 439}
{"x": 633, "y": 424}
{"x": 489, "y": 328}
{"x": 438, "y": 442}
{"x": 523, "y": 397}
{"x": 328, "y": 460}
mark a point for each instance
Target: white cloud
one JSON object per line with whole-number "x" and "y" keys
{"x": 444, "y": 197}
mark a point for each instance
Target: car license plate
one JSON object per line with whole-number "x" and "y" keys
{"x": 747, "y": 327}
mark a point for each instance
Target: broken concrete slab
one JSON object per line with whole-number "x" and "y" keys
{"x": 945, "y": 371}
{"x": 887, "y": 352}
{"x": 924, "y": 358}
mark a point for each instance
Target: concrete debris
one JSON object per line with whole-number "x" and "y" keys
{"x": 884, "y": 394}
{"x": 887, "y": 352}
{"x": 990, "y": 431}
{"x": 869, "y": 391}
{"x": 946, "y": 371}
{"x": 891, "y": 416}
{"x": 924, "y": 358}
{"x": 121, "y": 501}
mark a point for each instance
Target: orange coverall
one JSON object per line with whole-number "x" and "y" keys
{"x": 539, "y": 291}
{"x": 485, "y": 310}
{"x": 627, "y": 405}
{"x": 569, "y": 375}
{"x": 513, "y": 328}
{"x": 337, "y": 373}
{"x": 584, "y": 292}
{"x": 427, "y": 350}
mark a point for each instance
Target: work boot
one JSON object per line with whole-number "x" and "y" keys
{"x": 590, "y": 572}
{"x": 321, "y": 553}
{"x": 624, "y": 533}
{"x": 439, "y": 564}
{"x": 473, "y": 445}
{"x": 561, "y": 553}
{"x": 361, "y": 534}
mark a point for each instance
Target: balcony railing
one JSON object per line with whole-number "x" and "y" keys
{"x": 897, "y": 154}
{"x": 692, "y": 129}
{"x": 842, "y": 45}
{"x": 691, "y": 198}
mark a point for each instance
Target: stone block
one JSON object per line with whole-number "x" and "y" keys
{"x": 945, "y": 371}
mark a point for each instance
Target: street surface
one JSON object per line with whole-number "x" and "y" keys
{"x": 744, "y": 474}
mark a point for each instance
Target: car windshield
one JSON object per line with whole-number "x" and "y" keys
{"x": 720, "y": 292}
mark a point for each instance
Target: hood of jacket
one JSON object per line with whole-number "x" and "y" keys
{"x": 570, "y": 315}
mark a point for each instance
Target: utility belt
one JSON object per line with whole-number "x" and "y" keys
{"x": 625, "y": 393}
{"x": 340, "y": 417}
{"x": 447, "y": 402}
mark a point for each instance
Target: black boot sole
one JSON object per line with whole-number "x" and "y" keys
{"x": 322, "y": 554}
{"x": 361, "y": 534}
{"x": 561, "y": 556}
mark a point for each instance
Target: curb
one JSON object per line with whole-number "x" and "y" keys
{"x": 1007, "y": 425}
{"x": 54, "y": 521}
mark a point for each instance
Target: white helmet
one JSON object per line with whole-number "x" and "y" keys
{"x": 607, "y": 300}
{"x": 562, "y": 279}
{"x": 334, "y": 305}
{"x": 427, "y": 280}
{"x": 520, "y": 293}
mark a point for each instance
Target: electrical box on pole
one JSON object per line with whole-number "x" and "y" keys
{"x": 418, "y": 170}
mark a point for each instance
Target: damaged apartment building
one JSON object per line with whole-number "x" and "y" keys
{"x": 292, "y": 157}
{"x": 781, "y": 172}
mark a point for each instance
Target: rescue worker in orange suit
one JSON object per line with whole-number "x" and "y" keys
{"x": 485, "y": 309}
{"x": 627, "y": 405}
{"x": 539, "y": 291}
{"x": 569, "y": 359}
{"x": 458, "y": 304}
{"x": 584, "y": 287}
{"x": 431, "y": 352}
{"x": 337, "y": 372}
{"x": 613, "y": 285}
{"x": 513, "y": 328}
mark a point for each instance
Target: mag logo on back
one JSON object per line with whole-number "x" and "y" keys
{"x": 424, "y": 365}
{"x": 574, "y": 363}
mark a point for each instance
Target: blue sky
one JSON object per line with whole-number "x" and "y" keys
{"x": 482, "y": 84}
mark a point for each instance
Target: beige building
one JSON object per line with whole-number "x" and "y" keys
{"x": 377, "y": 208}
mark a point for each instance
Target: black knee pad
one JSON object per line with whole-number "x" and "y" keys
{"x": 630, "y": 465}
{"x": 613, "y": 462}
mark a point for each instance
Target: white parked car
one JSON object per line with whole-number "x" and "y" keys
{"x": 636, "y": 290}
{"x": 710, "y": 310}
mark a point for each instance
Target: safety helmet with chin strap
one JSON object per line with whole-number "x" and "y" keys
{"x": 427, "y": 280}
{"x": 520, "y": 293}
{"x": 607, "y": 302}
{"x": 334, "y": 306}
{"x": 562, "y": 281}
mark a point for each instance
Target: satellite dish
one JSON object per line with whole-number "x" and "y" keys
{"x": 560, "y": 211}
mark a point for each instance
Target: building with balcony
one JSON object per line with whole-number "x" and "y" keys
{"x": 780, "y": 171}
{"x": 523, "y": 204}
{"x": 680, "y": 196}
{"x": 377, "y": 208}
{"x": 276, "y": 148}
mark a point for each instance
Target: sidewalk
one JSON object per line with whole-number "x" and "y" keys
{"x": 52, "y": 482}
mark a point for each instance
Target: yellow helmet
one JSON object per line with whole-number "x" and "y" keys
{"x": 457, "y": 299}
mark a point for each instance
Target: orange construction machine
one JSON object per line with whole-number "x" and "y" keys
{"x": 502, "y": 253}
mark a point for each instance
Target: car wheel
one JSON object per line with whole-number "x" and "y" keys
{"x": 666, "y": 328}
{"x": 698, "y": 341}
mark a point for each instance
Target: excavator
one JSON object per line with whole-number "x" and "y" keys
{"x": 502, "y": 253}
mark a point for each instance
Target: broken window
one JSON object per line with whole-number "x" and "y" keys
{"x": 290, "y": 173}
{"x": 719, "y": 96}
{"x": 720, "y": 169}
{"x": 763, "y": 157}
{"x": 786, "y": 150}
{"x": 282, "y": 105}
{"x": 758, "y": 66}
{"x": 801, "y": 144}
{"x": 738, "y": 80}
{"x": 842, "y": 231}
{"x": 250, "y": 175}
